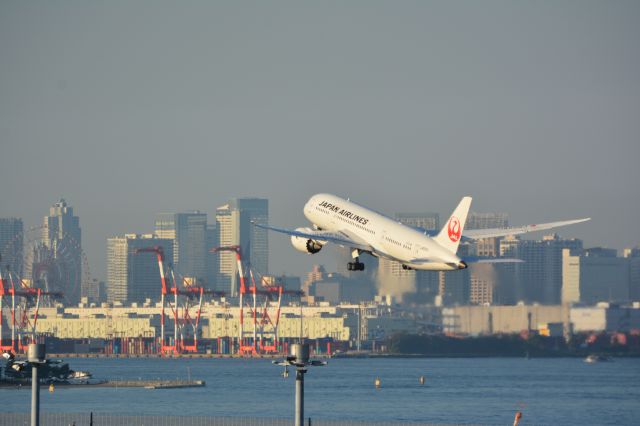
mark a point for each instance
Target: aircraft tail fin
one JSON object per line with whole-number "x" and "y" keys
{"x": 450, "y": 235}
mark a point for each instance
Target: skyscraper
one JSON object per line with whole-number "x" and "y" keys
{"x": 165, "y": 226}
{"x": 487, "y": 220}
{"x": 455, "y": 286}
{"x": 594, "y": 276}
{"x": 487, "y": 246}
{"x": 94, "y": 291}
{"x": 189, "y": 234}
{"x": 633, "y": 254}
{"x": 212, "y": 258}
{"x": 57, "y": 263}
{"x": 11, "y": 243}
{"x": 487, "y": 281}
{"x": 235, "y": 228}
{"x": 424, "y": 221}
{"x": 131, "y": 276}
{"x": 539, "y": 277}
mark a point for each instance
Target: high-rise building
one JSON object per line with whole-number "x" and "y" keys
{"x": 454, "y": 287}
{"x": 487, "y": 246}
{"x": 131, "y": 276}
{"x": 414, "y": 286}
{"x": 235, "y": 227}
{"x": 318, "y": 273}
{"x": 189, "y": 234}
{"x": 57, "y": 263}
{"x": 633, "y": 254}
{"x": 165, "y": 226}
{"x": 486, "y": 286}
{"x": 486, "y": 220}
{"x": 212, "y": 258}
{"x": 539, "y": 277}
{"x": 481, "y": 289}
{"x": 94, "y": 291}
{"x": 423, "y": 221}
{"x": 11, "y": 244}
{"x": 597, "y": 275}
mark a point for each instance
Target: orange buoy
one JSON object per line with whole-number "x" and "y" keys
{"x": 517, "y": 419}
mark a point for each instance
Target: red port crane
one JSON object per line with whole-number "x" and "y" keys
{"x": 190, "y": 292}
{"x": 256, "y": 345}
{"x": 30, "y": 294}
{"x": 270, "y": 291}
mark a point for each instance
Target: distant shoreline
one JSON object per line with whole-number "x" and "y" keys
{"x": 343, "y": 355}
{"x": 472, "y": 355}
{"x": 190, "y": 355}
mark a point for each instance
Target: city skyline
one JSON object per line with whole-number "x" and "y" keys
{"x": 332, "y": 256}
{"x": 529, "y": 108}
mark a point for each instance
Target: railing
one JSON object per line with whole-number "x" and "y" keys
{"x": 97, "y": 419}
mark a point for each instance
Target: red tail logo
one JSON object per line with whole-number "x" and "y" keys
{"x": 454, "y": 229}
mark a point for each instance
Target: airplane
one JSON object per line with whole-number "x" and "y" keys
{"x": 363, "y": 230}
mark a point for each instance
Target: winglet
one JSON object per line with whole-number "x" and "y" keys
{"x": 451, "y": 234}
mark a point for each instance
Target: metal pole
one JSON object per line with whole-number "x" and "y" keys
{"x": 299, "y": 357}
{"x": 1, "y": 298}
{"x": 35, "y": 395}
{"x": 359, "y": 327}
{"x": 299, "y": 397}
{"x": 35, "y": 357}
{"x": 13, "y": 320}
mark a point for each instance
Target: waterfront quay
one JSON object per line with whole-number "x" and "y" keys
{"x": 147, "y": 384}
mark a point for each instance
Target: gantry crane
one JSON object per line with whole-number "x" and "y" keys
{"x": 269, "y": 292}
{"x": 189, "y": 292}
{"x": 32, "y": 296}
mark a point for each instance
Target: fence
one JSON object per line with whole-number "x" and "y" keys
{"x": 84, "y": 419}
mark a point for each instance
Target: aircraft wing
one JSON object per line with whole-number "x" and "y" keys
{"x": 489, "y": 259}
{"x": 515, "y": 230}
{"x": 342, "y": 238}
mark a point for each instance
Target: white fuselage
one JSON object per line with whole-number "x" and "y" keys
{"x": 387, "y": 237}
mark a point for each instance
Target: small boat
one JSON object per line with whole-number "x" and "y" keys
{"x": 591, "y": 359}
{"x": 79, "y": 375}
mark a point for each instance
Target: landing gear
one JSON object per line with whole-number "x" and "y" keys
{"x": 407, "y": 268}
{"x": 355, "y": 266}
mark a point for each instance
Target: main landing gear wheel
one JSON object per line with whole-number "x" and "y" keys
{"x": 355, "y": 266}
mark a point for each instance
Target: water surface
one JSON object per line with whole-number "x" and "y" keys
{"x": 469, "y": 390}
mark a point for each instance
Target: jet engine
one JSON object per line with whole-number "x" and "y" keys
{"x": 306, "y": 245}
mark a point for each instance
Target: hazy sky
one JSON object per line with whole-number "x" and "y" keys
{"x": 129, "y": 108}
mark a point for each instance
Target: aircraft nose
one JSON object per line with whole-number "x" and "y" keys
{"x": 307, "y": 207}
{"x": 462, "y": 265}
